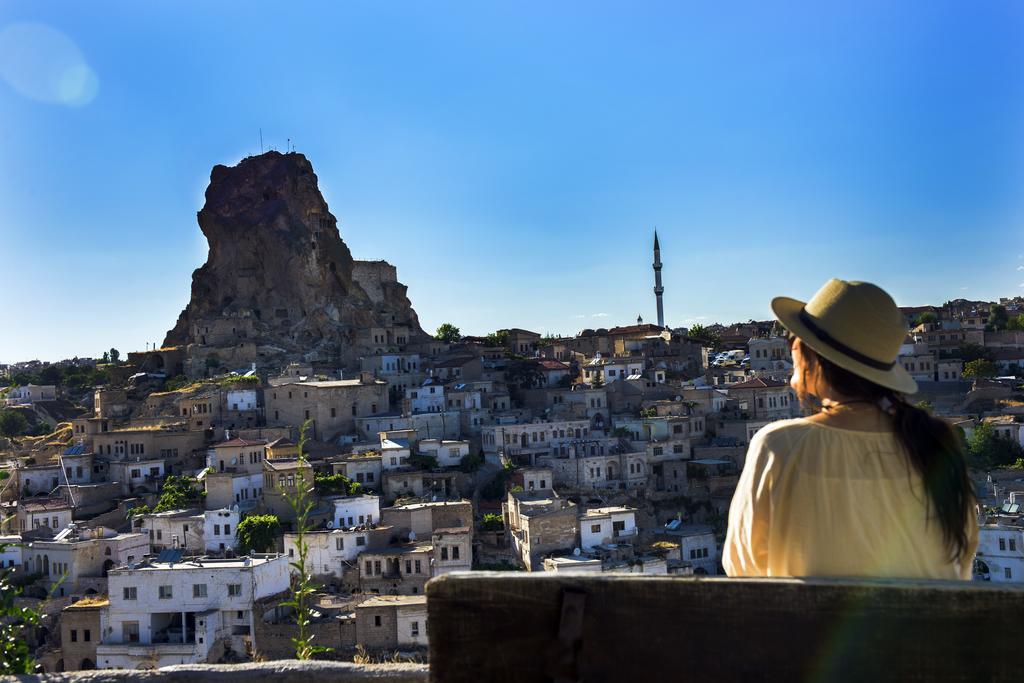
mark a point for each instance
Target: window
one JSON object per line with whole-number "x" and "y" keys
{"x": 216, "y": 529}
{"x": 198, "y": 590}
{"x": 131, "y": 593}
{"x": 227, "y": 529}
{"x": 360, "y": 540}
{"x": 86, "y": 635}
{"x": 234, "y": 590}
{"x": 339, "y": 543}
{"x": 1013, "y": 545}
{"x": 376, "y": 620}
{"x": 334, "y": 412}
{"x": 166, "y": 593}
{"x": 1002, "y": 544}
{"x": 1008, "y": 573}
{"x": 415, "y": 629}
{"x": 444, "y": 553}
{"x": 408, "y": 566}
{"x": 376, "y": 566}
{"x": 369, "y": 568}
{"x": 455, "y": 552}
{"x": 74, "y": 635}
{"x": 418, "y": 567}
{"x": 130, "y": 631}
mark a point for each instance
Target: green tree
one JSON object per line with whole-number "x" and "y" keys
{"x": 138, "y": 510}
{"x": 106, "y": 357}
{"x": 115, "y": 356}
{"x": 1016, "y": 323}
{"x": 926, "y": 318}
{"x": 597, "y": 380}
{"x": 12, "y": 423}
{"x": 15, "y": 656}
{"x": 335, "y": 485}
{"x": 499, "y": 338}
{"x": 998, "y": 317}
{"x": 178, "y": 493}
{"x": 492, "y": 522}
{"x": 987, "y": 449}
{"x": 980, "y": 368}
{"x": 448, "y": 333}
{"x": 704, "y": 336}
{"x": 925, "y": 405}
{"x": 257, "y": 533}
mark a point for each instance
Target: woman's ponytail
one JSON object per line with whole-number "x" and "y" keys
{"x": 933, "y": 448}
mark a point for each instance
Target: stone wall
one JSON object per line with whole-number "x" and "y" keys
{"x": 372, "y": 277}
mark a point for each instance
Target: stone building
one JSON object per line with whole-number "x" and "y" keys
{"x": 540, "y": 523}
{"x": 331, "y": 407}
{"x": 80, "y": 633}
{"x": 392, "y": 622}
{"x": 397, "y": 569}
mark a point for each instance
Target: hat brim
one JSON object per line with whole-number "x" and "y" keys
{"x": 896, "y": 378}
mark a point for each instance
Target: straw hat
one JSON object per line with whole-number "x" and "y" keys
{"x": 856, "y": 325}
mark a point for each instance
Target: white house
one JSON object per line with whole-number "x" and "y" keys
{"x": 696, "y": 545}
{"x": 394, "y": 453}
{"x": 327, "y": 550}
{"x": 448, "y": 453}
{"x": 607, "y": 525}
{"x": 77, "y": 558}
{"x": 31, "y": 393}
{"x": 164, "y": 613}
{"x": 1000, "y": 555}
{"x": 611, "y": 369}
{"x": 193, "y": 531}
{"x": 54, "y": 513}
{"x": 10, "y": 551}
{"x": 426, "y": 398}
{"x": 241, "y": 399}
{"x": 353, "y": 511}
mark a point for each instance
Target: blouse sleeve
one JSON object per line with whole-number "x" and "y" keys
{"x": 745, "y": 552}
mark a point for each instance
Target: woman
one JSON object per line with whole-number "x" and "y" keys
{"x": 867, "y": 486}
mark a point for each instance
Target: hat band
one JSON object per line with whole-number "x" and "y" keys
{"x": 839, "y": 346}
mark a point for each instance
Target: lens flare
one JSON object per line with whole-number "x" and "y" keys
{"x": 43, "y": 64}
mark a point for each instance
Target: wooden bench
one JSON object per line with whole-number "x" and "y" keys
{"x": 495, "y": 626}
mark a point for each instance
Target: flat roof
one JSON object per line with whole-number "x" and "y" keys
{"x": 601, "y": 512}
{"x": 203, "y": 563}
{"x": 392, "y": 600}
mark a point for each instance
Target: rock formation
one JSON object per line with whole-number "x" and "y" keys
{"x": 279, "y": 283}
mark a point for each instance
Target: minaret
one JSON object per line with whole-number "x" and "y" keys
{"x": 658, "y": 289}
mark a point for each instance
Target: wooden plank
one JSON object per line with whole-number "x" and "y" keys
{"x": 495, "y": 626}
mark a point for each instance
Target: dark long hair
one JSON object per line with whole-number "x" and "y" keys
{"x": 932, "y": 446}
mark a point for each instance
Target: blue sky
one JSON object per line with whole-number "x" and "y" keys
{"x": 513, "y": 159}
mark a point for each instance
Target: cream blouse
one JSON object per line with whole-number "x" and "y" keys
{"x": 816, "y": 500}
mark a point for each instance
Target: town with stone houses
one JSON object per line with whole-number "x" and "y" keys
{"x": 150, "y": 515}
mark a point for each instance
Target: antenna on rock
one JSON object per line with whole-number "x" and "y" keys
{"x": 261, "y": 141}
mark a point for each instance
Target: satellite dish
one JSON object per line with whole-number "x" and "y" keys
{"x": 576, "y": 552}
{"x": 234, "y": 461}
{"x": 412, "y": 535}
{"x": 330, "y": 525}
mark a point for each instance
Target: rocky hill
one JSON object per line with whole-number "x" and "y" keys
{"x": 279, "y": 282}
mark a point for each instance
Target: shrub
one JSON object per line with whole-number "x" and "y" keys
{"x": 492, "y": 522}
{"x": 257, "y": 533}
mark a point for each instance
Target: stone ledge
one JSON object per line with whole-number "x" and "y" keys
{"x": 283, "y": 671}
